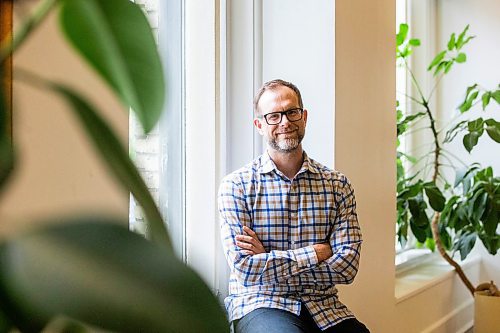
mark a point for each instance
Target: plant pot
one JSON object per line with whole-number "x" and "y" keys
{"x": 486, "y": 313}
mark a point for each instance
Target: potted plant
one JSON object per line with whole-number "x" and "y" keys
{"x": 449, "y": 215}
{"x": 81, "y": 272}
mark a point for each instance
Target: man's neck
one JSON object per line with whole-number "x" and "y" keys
{"x": 289, "y": 163}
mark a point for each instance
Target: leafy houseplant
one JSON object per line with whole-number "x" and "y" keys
{"x": 81, "y": 272}
{"x": 444, "y": 214}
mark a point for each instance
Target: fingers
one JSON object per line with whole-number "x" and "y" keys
{"x": 249, "y": 231}
{"x": 248, "y": 248}
{"x": 246, "y": 242}
{"x": 246, "y": 239}
{"x": 249, "y": 243}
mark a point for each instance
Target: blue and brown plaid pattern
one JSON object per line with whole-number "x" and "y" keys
{"x": 289, "y": 216}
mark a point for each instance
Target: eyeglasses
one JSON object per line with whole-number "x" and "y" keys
{"x": 274, "y": 118}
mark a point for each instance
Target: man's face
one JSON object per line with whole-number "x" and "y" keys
{"x": 286, "y": 136}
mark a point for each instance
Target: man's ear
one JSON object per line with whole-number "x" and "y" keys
{"x": 257, "y": 122}
{"x": 304, "y": 116}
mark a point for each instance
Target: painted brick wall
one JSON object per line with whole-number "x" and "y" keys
{"x": 145, "y": 149}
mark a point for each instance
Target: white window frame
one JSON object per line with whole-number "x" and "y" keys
{"x": 420, "y": 16}
{"x": 212, "y": 107}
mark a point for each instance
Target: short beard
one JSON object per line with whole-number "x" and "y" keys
{"x": 286, "y": 145}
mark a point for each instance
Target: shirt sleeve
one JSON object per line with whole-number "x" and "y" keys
{"x": 273, "y": 267}
{"x": 345, "y": 240}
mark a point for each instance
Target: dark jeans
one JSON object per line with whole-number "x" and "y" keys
{"x": 265, "y": 320}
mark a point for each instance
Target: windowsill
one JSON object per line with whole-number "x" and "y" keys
{"x": 410, "y": 259}
{"x": 426, "y": 274}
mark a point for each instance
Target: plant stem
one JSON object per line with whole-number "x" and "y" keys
{"x": 435, "y": 220}
{"x": 414, "y": 80}
{"x": 410, "y": 97}
{"x": 437, "y": 150}
{"x": 39, "y": 14}
{"x": 442, "y": 251}
{"x": 435, "y": 86}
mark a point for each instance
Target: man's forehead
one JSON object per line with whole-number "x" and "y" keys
{"x": 277, "y": 97}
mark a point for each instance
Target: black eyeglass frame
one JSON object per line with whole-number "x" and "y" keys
{"x": 281, "y": 113}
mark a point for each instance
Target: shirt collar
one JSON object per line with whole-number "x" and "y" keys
{"x": 267, "y": 165}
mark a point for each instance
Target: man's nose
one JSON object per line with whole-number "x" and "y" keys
{"x": 284, "y": 120}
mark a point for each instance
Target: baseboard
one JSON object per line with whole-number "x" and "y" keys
{"x": 452, "y": 319}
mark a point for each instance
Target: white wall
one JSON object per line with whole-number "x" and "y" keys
{"x": 483, "y": 54}
{"x": 57, "y": 171}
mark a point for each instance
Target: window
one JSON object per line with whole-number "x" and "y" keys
{"x": 160, "y": 155}
{"x": 217, "y": 54}
{"x": 420, "y": 18}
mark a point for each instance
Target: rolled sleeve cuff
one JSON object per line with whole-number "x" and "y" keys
{"x": 305, "y": 257}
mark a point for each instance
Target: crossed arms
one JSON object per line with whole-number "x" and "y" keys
{"x": 334, "y": 262}
{"x": 251, "y": 245}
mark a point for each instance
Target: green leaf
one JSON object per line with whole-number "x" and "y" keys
{"x": 436, "y": 60}
{"x": 448, "y": 211}
{"x": 452, "y": 133}
{"x": 476, "y": 130}
{"x": 417, "y": 208}
{"x": 6, "y": 160}
{"x": 469, "y": 89}
{"x": 420, "y": 232}
{"x": 115, "y": 38}
{"x": 492, "y": 244}
{"x": 447, "y": 66}
{"x": 451, "y": 43}
{"x": 445, "y": 237}
{"x": 496, "y": 96}
{"x": 465, "y": 173}
{"x": 491, "y": 221}
{"x": 470, "y": 140}
{"x": 476, "y": 125}
{"x": 477, "y": 205}
{"x": 469, "y": 99}
{"x": 460, "y": 39}
{"x": 461, "y": 220}
{"x": 6, "y": 148}
{"x": 430, "y": 244}
{"x": 5, "y": 323}
{"x": 440, "y": 67}
{"x": 493, "y": 129}
{"x": 98, "y": 272}
{"x": 467, "y": 40}
{"x": 118, "y": 161}
{"x": 486, "y": 99}
{"x": 461, "y": 58}
{"x": 467, "y": 104}
{"x": 465, "y": 243}
{"x": 402, "y": 125}
{"x": 436, "y": 198}
{"x": 401, "y": 35}
{"x": 414, "y": 42}
{"x": 411, "y": 191}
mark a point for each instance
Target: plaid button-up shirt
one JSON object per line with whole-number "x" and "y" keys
{"x": 289, "y": 216}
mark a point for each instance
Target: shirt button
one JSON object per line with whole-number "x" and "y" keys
{"x": 293, "y": 242}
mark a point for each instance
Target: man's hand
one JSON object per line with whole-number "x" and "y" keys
{"x": 323, "y": 251}
{"x": 250, "y": 243}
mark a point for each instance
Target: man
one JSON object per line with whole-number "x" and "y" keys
{"x": 289, "y": 229}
